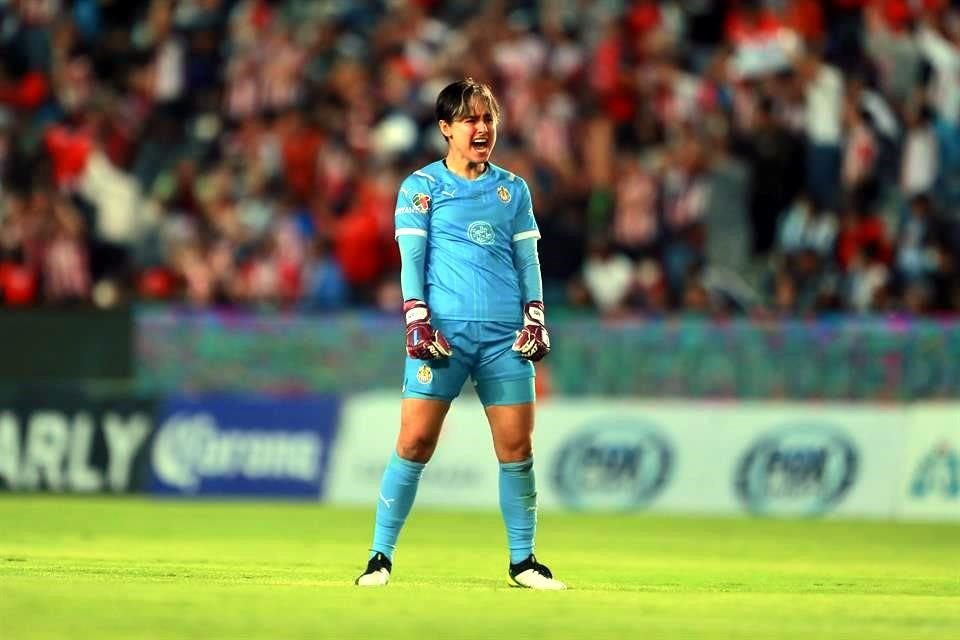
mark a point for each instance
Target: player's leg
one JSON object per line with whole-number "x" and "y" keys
{"x": 420, "y": 423}
{"x": 505, "y": 384}
{"x": 512, "y": 430}
{"x": 428, "y": 389}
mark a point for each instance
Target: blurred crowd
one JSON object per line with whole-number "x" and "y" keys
{"x": 712, "y": 157}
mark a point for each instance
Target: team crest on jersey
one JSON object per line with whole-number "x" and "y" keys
{"x": 425, "y": 374}
{"x": 481, "y": 232}
{"x": 421, "y": 202}
{"x": 503, "y": 194}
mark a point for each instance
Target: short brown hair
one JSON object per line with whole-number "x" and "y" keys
{"x": 455, "y": 101}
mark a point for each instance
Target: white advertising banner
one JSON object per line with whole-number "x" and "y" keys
{"x": 930, "y": 483}
{"x": 462, "y": 473}
{"x": 684, "y": 457}
{"x": 761, "y": 458}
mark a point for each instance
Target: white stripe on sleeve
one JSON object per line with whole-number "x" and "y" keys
{"x": 523, "y": 235}
{"x": 410, "y": 231}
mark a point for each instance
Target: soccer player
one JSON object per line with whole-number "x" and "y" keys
{"x": 470, "y": 277}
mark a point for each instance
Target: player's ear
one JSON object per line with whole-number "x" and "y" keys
{"x": 445, "y": 129}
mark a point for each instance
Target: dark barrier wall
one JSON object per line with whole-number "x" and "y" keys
{"x": 63, "y": 345}
{"x": 841, "y": 358}
{"x": 74, "y": 440}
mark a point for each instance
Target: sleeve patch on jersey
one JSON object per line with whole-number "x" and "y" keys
{"x": 410, "y": 231}
{"x": 523, "y": 235}
{"x": 503, "y": 194}
{"x": 421, "y": 202}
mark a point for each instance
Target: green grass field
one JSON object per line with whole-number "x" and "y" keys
{"x": 91, "y": 568}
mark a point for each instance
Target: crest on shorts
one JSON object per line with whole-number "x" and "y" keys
{"x": 421, "y": 202}
{"x": 503, "y": 194}
{"x": 424, "y": 374}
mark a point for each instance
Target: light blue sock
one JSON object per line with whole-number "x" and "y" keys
{"x": 518, "y": 504}
{"x": 397, "y": 492}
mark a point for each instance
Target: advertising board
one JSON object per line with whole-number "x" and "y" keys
{"x": 774, "y": 459}
{"x": 68, "y": 440}
{"x": 243, "y": 444}
{"x": 930, "y": 482}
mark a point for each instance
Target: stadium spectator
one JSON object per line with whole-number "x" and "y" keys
{"x": 608, "y": 276}
{"x": 926, "y": 254}
{"x": 185, "y": 135}
{"x": 807, "y": 228}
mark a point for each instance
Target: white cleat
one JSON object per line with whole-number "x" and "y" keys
{"x": 378, "y": 578}
{"x": 377, "y": 573}
{"x": 530, "y": 574}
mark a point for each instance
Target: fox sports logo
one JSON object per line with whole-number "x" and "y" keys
{"x": 800, "y": 470}
{"x": 612, "y": 465}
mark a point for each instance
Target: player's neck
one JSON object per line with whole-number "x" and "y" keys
{"x": 464, "y": 168}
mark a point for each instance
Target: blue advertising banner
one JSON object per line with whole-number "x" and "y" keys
{"x": 243, "y": 445}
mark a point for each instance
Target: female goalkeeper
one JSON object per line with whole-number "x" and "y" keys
{"x": 471, "y": 283}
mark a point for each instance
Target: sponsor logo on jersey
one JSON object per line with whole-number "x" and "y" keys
{"x": 503, "y": 194}
{"x": 937, "y": 473}
{"x": 421, "y": 202}
{"x": 425, "y": 374}
{"x": 481, "y": 232}
{"x": 802, "y": 469}
{"x": 613, "y": 463}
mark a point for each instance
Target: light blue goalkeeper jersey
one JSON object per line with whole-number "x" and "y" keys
{"x": 470, "y": 227}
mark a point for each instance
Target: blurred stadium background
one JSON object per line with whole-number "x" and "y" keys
{"x": 751, "y": 256}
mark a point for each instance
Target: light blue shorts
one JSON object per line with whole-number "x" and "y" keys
{"x": 481, "y": 351}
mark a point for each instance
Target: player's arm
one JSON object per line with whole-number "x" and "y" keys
{"x": 411, "y": 231}
{"x": 533, "y": 341}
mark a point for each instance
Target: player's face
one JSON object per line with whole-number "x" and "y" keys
{"x": 472, "y": 137}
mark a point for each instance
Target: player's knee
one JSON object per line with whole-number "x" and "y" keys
{"x": 515, "y": 451}
{"x": 416, "y": 449}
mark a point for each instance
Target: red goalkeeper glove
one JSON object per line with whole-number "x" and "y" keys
{"x": 423, "y": 341}
{"x": 533, "y": 341}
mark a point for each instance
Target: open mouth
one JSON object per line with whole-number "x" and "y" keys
{"x": 480, "y": 144}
